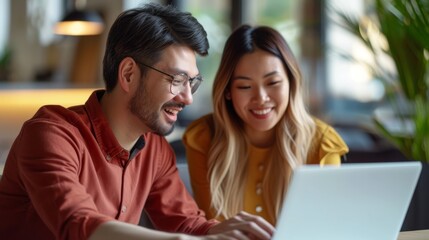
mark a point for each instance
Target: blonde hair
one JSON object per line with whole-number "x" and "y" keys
{"x": 229, "y": 151}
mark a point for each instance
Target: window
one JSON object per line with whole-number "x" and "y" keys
{"x": 350, "y": 84}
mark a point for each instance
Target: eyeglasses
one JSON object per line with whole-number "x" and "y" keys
{"x": 179, "y": 81}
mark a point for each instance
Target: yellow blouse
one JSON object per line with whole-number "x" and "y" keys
{"x": 326, "y": 148}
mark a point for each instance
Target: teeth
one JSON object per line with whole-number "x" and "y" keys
{"x": 171, "y": 111}
{"x": 262, "y": 112}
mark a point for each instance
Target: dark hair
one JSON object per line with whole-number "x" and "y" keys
{"x": 144, "y": 32}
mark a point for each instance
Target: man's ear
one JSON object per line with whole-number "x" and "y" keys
{"x": 126, "y": 73}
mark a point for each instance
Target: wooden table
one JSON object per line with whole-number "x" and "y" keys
{"x": 414, "y": 235}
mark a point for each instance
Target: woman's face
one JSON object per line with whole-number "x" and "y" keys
{"x": 259, "y": 91}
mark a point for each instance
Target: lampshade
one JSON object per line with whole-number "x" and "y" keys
{"x": 78, "y": 23}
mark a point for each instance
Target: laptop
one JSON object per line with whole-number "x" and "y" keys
{"x": 355, "y": 201}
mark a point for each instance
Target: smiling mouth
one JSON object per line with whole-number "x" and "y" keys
{"x": 262, "y": 111}
{"x": 171, "y": 111}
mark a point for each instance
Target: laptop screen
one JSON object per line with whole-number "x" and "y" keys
{"x": 365, "y": 201}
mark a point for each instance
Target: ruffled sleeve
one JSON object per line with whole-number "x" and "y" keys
{"x": 197, "y": 139}
{"x": 198, "y": 134}
{"x": 327, "y": 146}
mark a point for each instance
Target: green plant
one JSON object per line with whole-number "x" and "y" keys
{"x": 399, "y": 30}
{"x": 5, "y": 59}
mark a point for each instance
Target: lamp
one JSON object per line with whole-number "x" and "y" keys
{"x": 80, "y": 22}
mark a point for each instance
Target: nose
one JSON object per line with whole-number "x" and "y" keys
{"x": 185, "y": 96}
{"x": 261, "y": 95}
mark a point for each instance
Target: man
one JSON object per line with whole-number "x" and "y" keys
{"x": 88, "y": 171}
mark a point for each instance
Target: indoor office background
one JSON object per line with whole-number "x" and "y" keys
{"x": 39, "y": 67}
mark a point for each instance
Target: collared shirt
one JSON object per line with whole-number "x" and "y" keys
{"x": 66, "y": 174}
{"x": 326, "y": 148}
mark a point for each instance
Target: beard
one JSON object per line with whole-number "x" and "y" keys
{"x": 145, "y": 109}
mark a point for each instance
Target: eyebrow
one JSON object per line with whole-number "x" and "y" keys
{"x": 178, "y": 72}
{"x": 248, "y": 78}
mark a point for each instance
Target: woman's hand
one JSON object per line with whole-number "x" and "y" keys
{"x": 245, "y": 226}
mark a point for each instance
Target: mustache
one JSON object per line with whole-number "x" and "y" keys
{"x": 174, "y": 105}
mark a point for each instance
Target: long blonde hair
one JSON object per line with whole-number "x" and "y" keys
{"x": 229, "y": 151}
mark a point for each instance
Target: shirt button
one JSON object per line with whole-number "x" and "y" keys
{"x": 258, "y": 191}
{"x": 258, "y": 209}
{"x": 123, "y": 209}
{"x": 108, "y": 157}
{"x": 261, "y": 167}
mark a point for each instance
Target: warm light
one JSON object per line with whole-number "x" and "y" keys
{"x": 18, "y": 98}
{"x": 79, "y": 23}
{"x": 78, "y": 28}
{"x": 19, "y": 105}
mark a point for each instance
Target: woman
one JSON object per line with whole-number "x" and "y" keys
{"x": 241, "y": 156}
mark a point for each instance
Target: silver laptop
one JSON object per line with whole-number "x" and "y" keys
{"x": 359, "y": 201}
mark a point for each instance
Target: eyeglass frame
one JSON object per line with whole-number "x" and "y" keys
{"x": 194, "y": 82}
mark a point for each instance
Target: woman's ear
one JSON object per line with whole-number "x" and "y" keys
{"x": 228, "y": 95}
{"x": 126, "y": 73}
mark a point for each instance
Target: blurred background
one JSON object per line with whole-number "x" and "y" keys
{"x": 39, "y": 66}
{"x": 41, "y": 63}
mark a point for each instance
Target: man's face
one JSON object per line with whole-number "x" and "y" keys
{"x": 153, "y": 103}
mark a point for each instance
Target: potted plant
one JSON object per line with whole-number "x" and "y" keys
{"x": 396, "y": 33}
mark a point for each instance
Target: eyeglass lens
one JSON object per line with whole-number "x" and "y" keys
{"x": 179, "y": 82}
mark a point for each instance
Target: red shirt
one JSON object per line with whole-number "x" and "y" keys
{"x": 66, "y": 174}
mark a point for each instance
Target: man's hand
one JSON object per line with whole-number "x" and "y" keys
{"x": 251, "y": 226}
